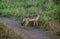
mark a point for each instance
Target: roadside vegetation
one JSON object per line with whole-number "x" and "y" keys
{"x": 49, "y": 11}
{"x": 7, "y": 33}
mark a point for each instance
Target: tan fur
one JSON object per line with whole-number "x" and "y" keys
{"x": 27, "y": 20}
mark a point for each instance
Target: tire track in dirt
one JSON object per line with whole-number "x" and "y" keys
{"x": 30, "y": 33}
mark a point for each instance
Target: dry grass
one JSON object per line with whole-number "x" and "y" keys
{"x": 7, "y": 33}
{"x": 54, "y": 27}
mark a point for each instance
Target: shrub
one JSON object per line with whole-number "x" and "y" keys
{"x": 7, "y": 33}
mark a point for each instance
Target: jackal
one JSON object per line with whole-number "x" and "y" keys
{"x": 28, "y": 19}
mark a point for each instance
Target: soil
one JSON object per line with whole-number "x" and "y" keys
{"x": 29, "y": 33}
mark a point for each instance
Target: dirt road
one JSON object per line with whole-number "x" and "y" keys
{"x": 30, "y": 33}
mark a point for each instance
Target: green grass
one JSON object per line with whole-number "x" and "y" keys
{"x": 49, "y": 9}
{"x": 7, "y": 33}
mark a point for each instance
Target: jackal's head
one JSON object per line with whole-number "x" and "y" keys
{"x": 38, "y": 14}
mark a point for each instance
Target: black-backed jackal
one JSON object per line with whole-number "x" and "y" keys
{"x": 29, "y": 19}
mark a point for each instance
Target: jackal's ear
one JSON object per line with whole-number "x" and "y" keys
{"x": 38, "y": 13}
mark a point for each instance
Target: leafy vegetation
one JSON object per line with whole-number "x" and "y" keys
{"x": 7, "y": 33}
{"x": 49, "y": 10}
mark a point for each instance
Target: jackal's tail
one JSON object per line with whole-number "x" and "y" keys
{"x": 23, "y": 22}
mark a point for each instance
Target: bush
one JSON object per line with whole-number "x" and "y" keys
{"x": 49, "y": 9}
{"x": 7, "y": 33}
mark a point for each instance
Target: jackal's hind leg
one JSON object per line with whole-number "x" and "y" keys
{"x": 26, "y": 23}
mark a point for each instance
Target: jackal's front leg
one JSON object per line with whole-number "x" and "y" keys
{"x": 37, "y": 23}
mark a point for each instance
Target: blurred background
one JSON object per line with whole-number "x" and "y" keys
{"x": 49, "y": 12}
